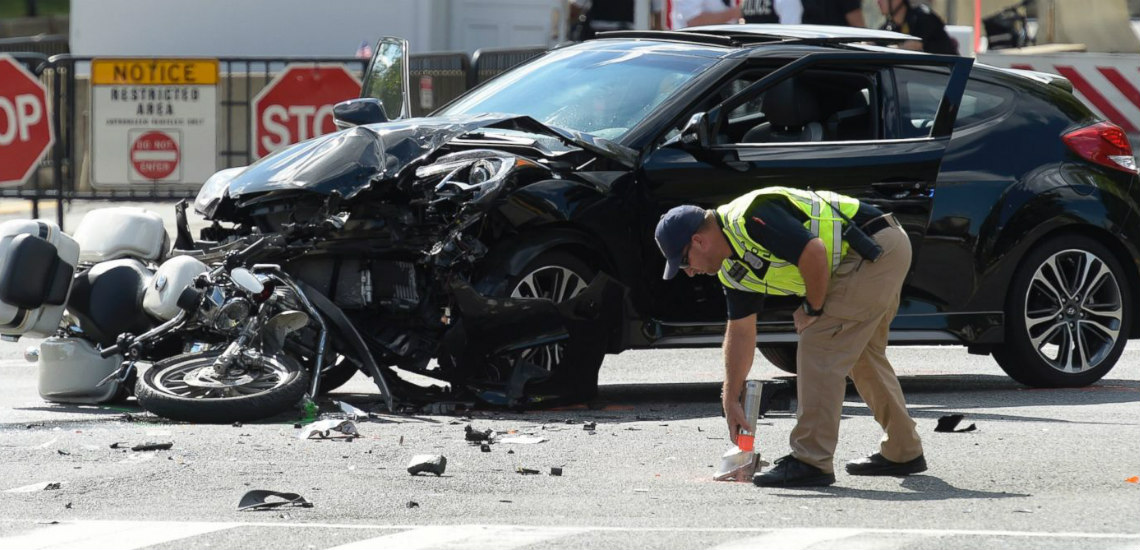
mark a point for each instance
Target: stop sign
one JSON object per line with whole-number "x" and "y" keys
{"x": 298, "y": 105}
{"x": 25, "y": 127}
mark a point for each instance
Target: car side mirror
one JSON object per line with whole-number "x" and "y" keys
{"x": 356, "y": 112}
{"x": 695, "y": 134}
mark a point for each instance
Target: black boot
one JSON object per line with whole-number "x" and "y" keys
{"x": 876, "y": 465}
{"x": 790, "y": 472}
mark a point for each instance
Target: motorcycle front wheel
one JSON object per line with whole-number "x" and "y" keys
{"x": 186, "y": 387}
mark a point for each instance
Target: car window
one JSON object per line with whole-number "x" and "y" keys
{"x": 600, "y": 92}
{"x": 919, "y": 94}
{"x": 815, "y": 105}
{"x": 982, "y": 101}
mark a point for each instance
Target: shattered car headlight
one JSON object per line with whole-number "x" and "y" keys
{"x": 214, "y": 190}
{"x": 479, "y": 177}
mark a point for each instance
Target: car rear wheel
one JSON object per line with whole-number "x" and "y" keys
{"x": 782, "y": 356}
{"x": 1068, "y": 314}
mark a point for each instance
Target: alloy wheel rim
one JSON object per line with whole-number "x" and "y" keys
{"x": 196, "y": 379}
{"x": 1073, "y": 311}
{"x": 557, "y": 284}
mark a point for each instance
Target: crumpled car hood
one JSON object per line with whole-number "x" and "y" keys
{"x": 346, "y": 162}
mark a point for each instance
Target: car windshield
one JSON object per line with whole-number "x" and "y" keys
{"x": 599, "y": 92}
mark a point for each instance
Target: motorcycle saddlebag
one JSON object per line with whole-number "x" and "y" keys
{"x": 70, "y": 370}
{"x": 37, "y": 262}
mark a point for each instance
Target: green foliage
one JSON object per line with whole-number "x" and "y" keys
{"x": 19, "y": 8}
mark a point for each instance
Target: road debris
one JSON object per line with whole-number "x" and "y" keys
{"x": 524, "y": 440}
{"x": 412, "y": 504}
{"x": 352, "y": 412}
{"x": 526, "y": 471}
{"x": 149, "y": 446}
{"x": 325, "y": 429}
{"x": 52, "y": 486}
{"x": 556, "y": 471}
{"x": 258, "y": 499}
{"x": 476, "y": 436}
{"x": 1133, "y": 479}
{"x": 948, "y": 423}
{"x": 432, "y": 464}
{"x": 486, "y": 448}
{"x": 590, "y": 426}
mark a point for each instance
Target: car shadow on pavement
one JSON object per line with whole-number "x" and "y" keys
{"x": 920, "y": 487}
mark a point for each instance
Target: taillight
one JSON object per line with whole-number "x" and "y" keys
{"x": 1103, "y": 143}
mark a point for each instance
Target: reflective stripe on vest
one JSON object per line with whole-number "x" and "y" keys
{"x": 755, "y": 269}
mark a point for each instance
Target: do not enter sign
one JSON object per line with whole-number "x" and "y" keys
{"x": 154, "y": 155}
{"x": 25, "y": 127}
{"x": 298, "y": 105}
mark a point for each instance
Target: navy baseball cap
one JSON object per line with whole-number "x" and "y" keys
{"x": 674, "y": 231}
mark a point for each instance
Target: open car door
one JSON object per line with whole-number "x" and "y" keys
{"x": 387, "y": 78}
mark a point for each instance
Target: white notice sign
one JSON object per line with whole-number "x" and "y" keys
{"x": 153, "y": 121}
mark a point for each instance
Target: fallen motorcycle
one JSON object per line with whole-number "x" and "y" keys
{"x": 357, "y": 251}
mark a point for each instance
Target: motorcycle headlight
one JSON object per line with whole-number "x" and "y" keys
{"x": 214, "y": 190}
{"x": 232, "y": 314}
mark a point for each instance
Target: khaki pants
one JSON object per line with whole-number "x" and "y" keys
{"x": 850, "y": 338}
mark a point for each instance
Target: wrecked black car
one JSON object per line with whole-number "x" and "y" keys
{"x": 506, "y": 254}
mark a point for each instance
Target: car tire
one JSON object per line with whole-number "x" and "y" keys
{"x": 559, "y": 276}
{"x": 1068, "y": 314}
{"x": 782, "y": 356}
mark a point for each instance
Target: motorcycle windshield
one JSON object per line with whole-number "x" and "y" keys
{"x": 347, "y": 162}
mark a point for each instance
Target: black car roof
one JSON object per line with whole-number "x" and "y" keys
{"x": 745, "y": 36}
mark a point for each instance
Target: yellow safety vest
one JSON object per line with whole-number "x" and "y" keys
{"x": 752, "y": 268}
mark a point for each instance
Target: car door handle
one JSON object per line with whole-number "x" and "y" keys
{"x": 896, "y": 187}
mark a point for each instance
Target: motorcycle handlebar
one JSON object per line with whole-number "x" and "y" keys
{"x": 108, "y": 352}
{"x": 240, "y": 257}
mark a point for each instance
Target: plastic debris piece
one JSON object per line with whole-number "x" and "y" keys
{"x": 1133, "y": 479}
{"x": 475, "y": 436}
{"x": 258, "y": 499}
{"x": 485, "y": 447}
{"x": 326, "y": 429}
{"x": 948, "y": 423}
{"x": 432, "y": 464}
{"x": 524, "y": 439}
{"x": 510, "y": 451}
{"x": 52, "y": 486}
{"x": 412, "y": 504}
{"x": 352, "y": 412}
{"x": 62, "y": 452}
{"x": 237, "y": 424}
{"x": 556, "y": 471}
{"x": 148, "y": 446}
{"x": 526, "y": 471}
{"x": 590, "y": 426}
{"x": 120, "y": 445}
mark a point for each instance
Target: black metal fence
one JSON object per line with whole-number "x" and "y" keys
{"x": 436, "y": 79}
{"x": 47, "y": 44}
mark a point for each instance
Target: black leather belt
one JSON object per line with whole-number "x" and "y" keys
{"x": 878, "y": 224}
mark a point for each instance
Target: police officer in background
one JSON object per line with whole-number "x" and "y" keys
{"x": 921, "y": 21}
{"x": 834, "y": 12}
{"x": 788, "y": 12}
{"x": 588, "y": 17}
{"x": 791, "y": 242}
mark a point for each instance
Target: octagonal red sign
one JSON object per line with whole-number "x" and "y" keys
{"x": 25, "y": 125}
{"x": 298, "y": 105}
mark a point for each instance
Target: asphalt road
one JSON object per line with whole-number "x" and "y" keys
{"x": 1044, "y": 469}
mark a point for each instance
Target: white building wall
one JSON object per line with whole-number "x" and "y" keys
{"x": 289, "y": 28}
